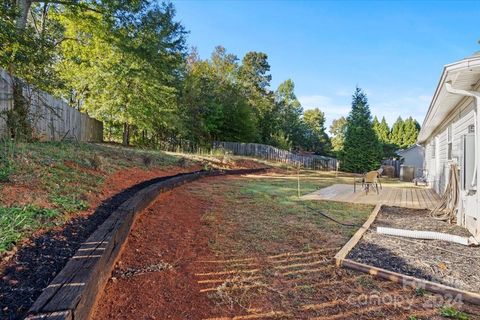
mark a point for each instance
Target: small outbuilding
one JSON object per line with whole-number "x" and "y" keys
{"x": 412, "y": 162}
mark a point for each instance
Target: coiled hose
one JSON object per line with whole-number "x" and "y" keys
{"x": 447, "y": 209}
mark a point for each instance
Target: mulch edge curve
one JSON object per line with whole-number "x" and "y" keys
{"x": 74, "y": 290}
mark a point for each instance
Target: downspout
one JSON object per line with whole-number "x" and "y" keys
{"x": 476, "y": 95}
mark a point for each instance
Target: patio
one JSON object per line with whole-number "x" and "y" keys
{"x": 414, "y": 197}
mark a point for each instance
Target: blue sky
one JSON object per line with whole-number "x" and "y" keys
{"x": 395, "y": 51}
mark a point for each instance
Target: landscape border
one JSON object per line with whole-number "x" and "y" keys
{"x": 405, "y": 280}
{"x": 73, "y": 292}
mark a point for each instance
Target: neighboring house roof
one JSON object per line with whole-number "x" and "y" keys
{"x": 465, "y": 75}
{"x": 402, "y": 151}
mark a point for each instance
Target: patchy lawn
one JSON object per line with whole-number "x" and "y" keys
{"x": 247, "y": 248}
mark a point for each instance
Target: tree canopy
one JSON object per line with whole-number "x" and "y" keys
{"x": 127, "y": 63}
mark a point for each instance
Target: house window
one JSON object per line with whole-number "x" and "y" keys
{"x": 433, "y": 148}
{"x": 449, "y": 141}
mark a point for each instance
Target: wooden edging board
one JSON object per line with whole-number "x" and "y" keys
{"x": 406, "y": 281}
{"x": 342, "y": 254}
{"x": 409, "y": 281}
{"x": 72, "y": 293}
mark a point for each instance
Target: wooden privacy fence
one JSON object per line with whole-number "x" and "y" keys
{"x": 51, "y": 119}
{"x": 274, "y": 154}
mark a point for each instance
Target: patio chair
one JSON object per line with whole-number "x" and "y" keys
{"x": 371, "y": 181}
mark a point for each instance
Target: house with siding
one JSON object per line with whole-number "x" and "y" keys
{"x": 450, "y": 134}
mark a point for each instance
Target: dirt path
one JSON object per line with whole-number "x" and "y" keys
{"x": 154, "y": 277}
{"x": 168, "y": 269}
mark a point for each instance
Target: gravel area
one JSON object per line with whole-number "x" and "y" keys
{"x": 443, "y": 262}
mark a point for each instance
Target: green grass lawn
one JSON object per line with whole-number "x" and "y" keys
{"x": 263, "y": 214}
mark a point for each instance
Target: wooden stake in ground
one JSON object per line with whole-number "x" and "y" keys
{"x": 298, "y": 180}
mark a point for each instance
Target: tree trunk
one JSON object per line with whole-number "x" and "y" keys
{"x": 17, "y": 118}
{"x": 126, "y": 134}
{"x": 23, "y": 8}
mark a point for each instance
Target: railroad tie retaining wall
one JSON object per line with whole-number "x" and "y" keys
{"x": 72, "y": 293}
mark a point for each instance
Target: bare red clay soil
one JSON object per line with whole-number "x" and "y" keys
{"x": 168, "y": 234}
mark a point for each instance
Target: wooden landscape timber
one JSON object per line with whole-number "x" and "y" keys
{"x": 342, "y": 254}
{"x": 73, "y": 292}
{"x": 406, "y": 281}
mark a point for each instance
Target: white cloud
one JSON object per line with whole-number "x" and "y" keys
{"x": 332, "y": 109}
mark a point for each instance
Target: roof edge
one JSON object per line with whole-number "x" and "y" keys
{"x": 455, "y": 66}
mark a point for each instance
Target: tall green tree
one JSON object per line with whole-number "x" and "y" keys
{"x": 213, "y": 103}
{"x": 28, "y": 38}
{"x": 398, "y": 132}
{"x": 127, "y": 76}
{"x": 383, "y": 133}
{"x": 337, "y": 130}
{"x": 255, "y": 77}
{"x": 315, "y": 137}
{"x": 381, "y": 129}
{"x": 29, "y": 45}
{"x": 411, "y": 130}
{"x": 289, "y": 112}
{"x": 361, "y": 149}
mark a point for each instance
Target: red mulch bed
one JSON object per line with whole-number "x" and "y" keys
{"x": 169, "y": 232}
{"x": 39, "y": 258}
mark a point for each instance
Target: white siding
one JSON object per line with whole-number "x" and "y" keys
{"x": 460, "y": 128}
{"x": 437, "y": 167}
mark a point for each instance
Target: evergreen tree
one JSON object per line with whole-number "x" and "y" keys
{"x": 383, "y": 131}
{"x": 213, "y": 105}
{"x": 254, "y": 76}
{"x": 361, "y": 149}
{"x": 376, "y": 126}
{"x": 126, "y": 76}
{"x": 396, "y": 136}
{"x": 411, "y": 130}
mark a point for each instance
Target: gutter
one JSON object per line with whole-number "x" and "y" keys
{"x": 476, "y": 95}
{"x": 448, "y": 69}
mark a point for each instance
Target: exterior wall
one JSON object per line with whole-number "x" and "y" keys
{"x": 436, "y": 162}
{"x": 460, "y": 120}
